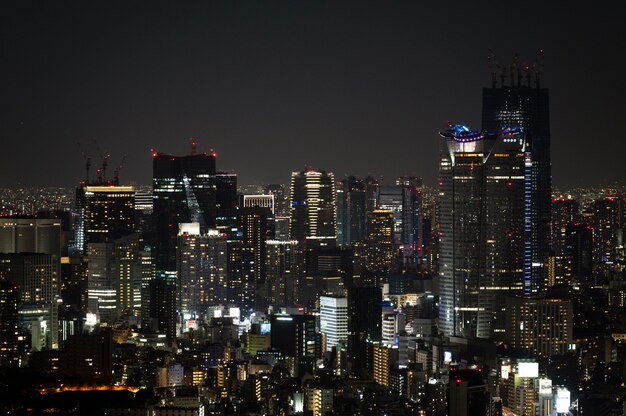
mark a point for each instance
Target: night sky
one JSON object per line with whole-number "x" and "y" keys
{"x": 350, "y": 87}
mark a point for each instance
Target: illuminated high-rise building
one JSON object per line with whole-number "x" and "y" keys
{"x": 541, "y": 327}
{"x": 412, "y": 226}
{"x": 201, "y": 270}
{"x": 226, "y": 202}
{"x": 9, "y": 301}
{"x": 565, "y": 214}
{"x": 36, "y": 276}
{"x": 105, "y": 213}
{"x": 128, "y": 272}
{"x": 102, "y": 283}
{"x": 380, "y": 248}
{"x": 481, "y": 216}
{"x": 608, "y": 233}
{"x": 313, "y": 208}
{"x": 524, "y": 104}
{"x": 351, "y": 214}
{"x": 37, "y": 279}
{"x": 254, "y": 230}
{"x": 284, "y": 269}
{"x": 333, "y": 320}
{"x": 184, "y": 191}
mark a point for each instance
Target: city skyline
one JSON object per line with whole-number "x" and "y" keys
{"x": 297, "y": 84}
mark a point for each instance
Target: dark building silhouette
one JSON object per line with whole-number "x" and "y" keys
{"x": 293, "y": 335}
{"x": 467, "y": 393}
{"x": 253, "y": 225}
{"x": 521, "y": 104}
{"x": 184, "y": 191}
{"x": 226, "y": 202}
{"x": 351, "y": 210}
{"x": 364, "y": 325}
{"x": 9, "y": 345}
{"x": 159, "y": 308}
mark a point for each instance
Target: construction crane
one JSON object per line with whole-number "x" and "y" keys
{"x": 87, "y": 162}
{"x": 116, "y": 172}
{"x": 102, "y": 172}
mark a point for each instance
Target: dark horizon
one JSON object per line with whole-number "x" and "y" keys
{"x": 351, "y": 87}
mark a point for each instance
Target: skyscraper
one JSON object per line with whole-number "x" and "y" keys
{"x": 351, "y": 215}
{"x": 284, "y": 269}
{"x": 333, "y": 320}
{"x": 9, "y": 301}
{"x": 313, "y": 208}
{"x": 253, "y": 224}
{"x": 380, "y": 242}
{"x": 104, "y": 213}
{"x": 364, "y": 324}
{"x": 184, "y": 191}
{"x": 521, "y": 104}
{"x": 226, "y": 202}
{"x": 201, "y": 264}
{"x": 541, "y": 327}
{"x": 481, "y": 187}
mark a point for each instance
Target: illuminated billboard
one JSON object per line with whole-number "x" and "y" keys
{"x": 528, "y": 369}
{"x": 562, "y": 400}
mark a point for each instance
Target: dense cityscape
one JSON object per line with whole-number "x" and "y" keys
{"x": 289, "y": 208}
{"x": 491, "y": 292}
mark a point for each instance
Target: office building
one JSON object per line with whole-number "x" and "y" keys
{"x": 328, "y": 272}
{"x": 30, "y": 235}
{"x": 541, "y": 327}
{"x": 254, "y": 230}
{"x": 565, "y": 214}
{"x": 333, "y": 320}
{"x": 102, "y": 281}
{"x": 482, "y": 195}
{"x": 262, "y": 201}
{"x": 105, "y": 212}
{"x": 184, "y": 191}
{"x": 313, "y": 208}
{"x": 201, "y": 265}
{"x": 9, "y": 324}
{"x": 36, "y": 276}
{"x": 284, "y": 270}
{"x": 524, "y": 104}
{"x": 226, "y": 202}
{"x": 380, "y": 247}
{"x": 293, "y": 335}
{"x": 351, "y": 210}
{"x": 364, "y": 325}
{"x": 608, "y": 232}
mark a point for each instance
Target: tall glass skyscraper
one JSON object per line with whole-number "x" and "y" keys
{"x": 183, "y": 192}
{"x": 482, "y": 192}
{"x": 526, "y": 106}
